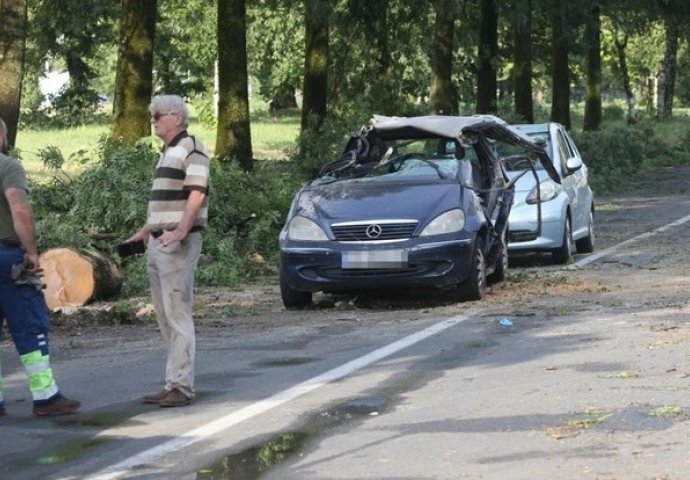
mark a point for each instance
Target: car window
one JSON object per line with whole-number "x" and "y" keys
{"x": 515, "y": 159}
{"x": 563, "y": 150}
{"x": 571, "y": 145}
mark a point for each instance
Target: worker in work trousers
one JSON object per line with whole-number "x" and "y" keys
{"x": 22, "y": 304}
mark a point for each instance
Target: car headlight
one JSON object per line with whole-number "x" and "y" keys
{"x": 302, "y": 228}
{"x": 549, "y": 191}
{"x": 448, "y": 222}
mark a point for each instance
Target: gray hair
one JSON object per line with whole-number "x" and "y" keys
{"x": 170, "y": 104}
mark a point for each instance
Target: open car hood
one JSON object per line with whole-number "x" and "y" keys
{"x": 488, "y": 126}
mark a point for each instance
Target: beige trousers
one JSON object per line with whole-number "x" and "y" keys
{"x": 171, "y": 275}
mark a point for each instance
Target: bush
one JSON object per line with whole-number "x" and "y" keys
{"x": 616, "y": 155}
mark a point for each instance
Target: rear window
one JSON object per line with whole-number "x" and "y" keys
{"x": 515, "y": 158}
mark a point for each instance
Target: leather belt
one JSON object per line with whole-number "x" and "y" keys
{"x": 10, "y": 244}
{"x": 158, "y": 233}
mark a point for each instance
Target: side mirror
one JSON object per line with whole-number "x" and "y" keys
{"x": 573, "y": 164}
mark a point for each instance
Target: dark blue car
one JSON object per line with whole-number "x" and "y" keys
{"x": 413, "y": 202}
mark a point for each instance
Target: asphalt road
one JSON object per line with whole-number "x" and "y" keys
{"x": 562, "y": 373}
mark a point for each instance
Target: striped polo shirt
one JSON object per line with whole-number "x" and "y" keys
{"x": 182, "y": 167}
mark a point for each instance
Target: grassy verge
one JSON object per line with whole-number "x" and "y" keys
{"x": 272, "y": 137}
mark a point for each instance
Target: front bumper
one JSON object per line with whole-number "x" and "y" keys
{"x": 523, "y": 228}
{"x": 315, "y": 268}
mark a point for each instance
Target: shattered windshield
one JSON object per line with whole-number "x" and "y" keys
{"x": 404, "y": 159}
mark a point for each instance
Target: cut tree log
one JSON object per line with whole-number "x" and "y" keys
{"x": 77, "y": 277}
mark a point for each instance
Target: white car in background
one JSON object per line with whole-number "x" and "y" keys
{"x": 555, "y": 218}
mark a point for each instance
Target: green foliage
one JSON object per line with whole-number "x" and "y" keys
{"x": 246, "y": 212}
{"x": 615, "y": 155}
{"x": 185, "y": 47}
{"x": 107, "y": 198}
{"x": 317, "y": 147}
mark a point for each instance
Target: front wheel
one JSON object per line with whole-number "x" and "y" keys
{"x": 293, "y": 298}
{"x": 563, "y": 254}
{"x": 474, "y": 288}
{"x": 586, "y": 244}
{"x": 501, "y": 268}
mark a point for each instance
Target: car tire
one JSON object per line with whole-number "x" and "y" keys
{"x": 586, "y": 244}
{"x": 501, "y": 268}
{"x": 293, "y": 298}
{"x": 563, "y": 254}
{"x": 474, "y": 288}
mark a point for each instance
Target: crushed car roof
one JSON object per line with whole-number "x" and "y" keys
{"x": 454, "y": 127}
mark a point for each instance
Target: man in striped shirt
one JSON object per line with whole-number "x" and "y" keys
{"x": 177, "y": 213}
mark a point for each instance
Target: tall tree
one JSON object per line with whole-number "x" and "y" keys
{"x": 560, "y": 105}
{"x": 636, "y": 36}
{"x": 621, "y": 25}
{"x": 668, "y": 78}
{"x": 13, "y": 17}
{"x": 592, "y": 118}
{"x": 443, "y": 98}
{"x": 72, "y": 31}
{"x": 134, "y": 76}
{"x": 315, "y": 90}
{"x": 487, "y": 58}
{"x": 370, "y": 18}
{"x": 233, "y": 137}
{"x": 522, "y": 55}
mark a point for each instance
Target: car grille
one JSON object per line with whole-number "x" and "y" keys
{"x": 386, "y": 231}
{"x": 374, "y": 272}
{"x": 522, "y": 236}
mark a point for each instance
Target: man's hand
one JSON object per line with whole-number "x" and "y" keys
{"x": 170, "y": 236}
{"x": 33, "y": 265}
{"x": 142, "y": 235}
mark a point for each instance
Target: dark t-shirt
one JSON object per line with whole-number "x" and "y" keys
{"x": 12, "y": 175}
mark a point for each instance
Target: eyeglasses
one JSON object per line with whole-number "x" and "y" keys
{"x": 157, "y": 116}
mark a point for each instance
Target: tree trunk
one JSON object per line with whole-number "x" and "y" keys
{"x": 77, "y": 277}
{"x": 522, "y": 71}
{"x": 670, "y": 63}
{"x": 621, "y": 45}
{"x": 592, "y": 119}
{"x": 134, "y": 76}
{"x": 233, "y": 134}
{"x": 13, "y": 18}
{"x": 381, "y": 93}
{"x": 487, "y": 57}
{"x": 443, "y": 98}
{"x": 315, "y": 91}
{"x": 560, "y": 106}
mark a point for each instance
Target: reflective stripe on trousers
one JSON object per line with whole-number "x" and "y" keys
{"x": 39, "y": 374}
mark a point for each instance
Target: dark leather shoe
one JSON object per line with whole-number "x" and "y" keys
{"x": 156, "y": 397}
{"x": 175, "y": 399}
{"x": 61, "y": 405}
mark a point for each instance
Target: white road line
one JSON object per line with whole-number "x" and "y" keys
{"x": 596, "y": 256}
{"x": 148, "y": 456}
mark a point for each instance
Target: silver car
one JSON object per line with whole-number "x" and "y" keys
{"x": 556, "y": 218}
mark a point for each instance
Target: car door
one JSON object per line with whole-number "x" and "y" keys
{"x": 576, "y": 183}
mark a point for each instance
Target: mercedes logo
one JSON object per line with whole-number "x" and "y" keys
{"x": 374, "y": 231}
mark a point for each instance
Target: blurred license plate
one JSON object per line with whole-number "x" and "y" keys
{"x": 375, "y": 259}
